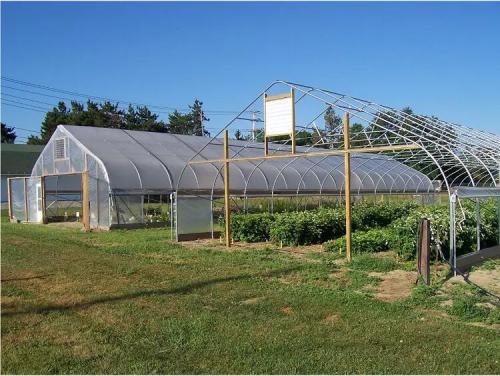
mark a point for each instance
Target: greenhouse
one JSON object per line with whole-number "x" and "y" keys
{"x": 119, "y": 173}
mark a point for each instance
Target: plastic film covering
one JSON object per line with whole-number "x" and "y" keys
{"x": 128, "y": 210}
{"x": 34, "y": 199}
{"x": 147, "y": 162}
{"x": 103, "y": 200}
{"x": 194, "y": 215}
{"x": 92, "y": 168}
{"x": 17, "y": 199}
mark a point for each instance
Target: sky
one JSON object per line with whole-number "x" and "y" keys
{"x": 441, "y": 59}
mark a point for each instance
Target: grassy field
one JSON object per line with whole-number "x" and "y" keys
{"x": 134, "y": 302}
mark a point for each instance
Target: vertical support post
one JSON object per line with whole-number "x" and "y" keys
{"x": 498, "y": 211}
{"x": 453, "y": 248}
{"x": 478, "y": 224}
{"x": 294, "y": 141}
{"x": 347, "y": 187}
{"x": 25, "y": 189}
{"x": 9, "y": 193}
{"x": 227, "y": 203}
{"x": 266, "y": 143}
{"x": 85, "y": 201}
{"x": 44, "y": 200}
{"x": 171, "y": 216}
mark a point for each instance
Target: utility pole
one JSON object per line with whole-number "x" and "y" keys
{"x": 254, "y": 124}
{"x": 201, "y": 123}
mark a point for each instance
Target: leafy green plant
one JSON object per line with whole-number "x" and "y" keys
{"x": 375, "y": 240}
{"x": 251, "y": 227}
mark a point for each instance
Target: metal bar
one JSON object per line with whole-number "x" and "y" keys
{"x": 313, "y": 154}
{"x": 25, "y": 200}
{"x": 478, "y": 224}
{"x": 453, "y": 247}
{"x": 294, "y": 141}
{"x": 9, "y": 193}
{"x": 347, "y": 188}
{"x": 227, "y": 203}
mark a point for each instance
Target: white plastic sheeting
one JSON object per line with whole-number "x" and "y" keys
{"x": 147, "y": 162}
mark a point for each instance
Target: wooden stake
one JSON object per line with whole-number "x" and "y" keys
{"x": 85, "y": 201}
{"x": 227, "y": 209}
{"x": 347, "y": 188}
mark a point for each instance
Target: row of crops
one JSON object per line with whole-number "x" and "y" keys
{"x": 376, "y": 227}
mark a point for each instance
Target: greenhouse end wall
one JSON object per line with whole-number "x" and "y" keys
{"x": 63, "y": 155}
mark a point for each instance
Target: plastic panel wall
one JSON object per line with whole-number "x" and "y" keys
{"x": 194, "y": 215}
{"x": 34, "y": 201}
{"x": 17, "y": 199}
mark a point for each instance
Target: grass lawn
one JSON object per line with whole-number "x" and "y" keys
{"x": 134, "y": 302}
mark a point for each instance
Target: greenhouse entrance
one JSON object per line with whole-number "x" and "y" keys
{"x": 47, "y": 199}
{"x": 63, "y": 198}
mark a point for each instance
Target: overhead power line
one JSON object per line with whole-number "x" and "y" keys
{"x": 74, "y": 93}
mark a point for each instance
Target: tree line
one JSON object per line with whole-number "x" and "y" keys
{"x": 110, "y": 115}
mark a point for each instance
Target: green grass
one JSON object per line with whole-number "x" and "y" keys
{"x": 134, "y": 302}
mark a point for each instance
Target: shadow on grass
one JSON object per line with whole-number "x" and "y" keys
{"x": 139, "y": 294}
{"x": 26, "y": 278}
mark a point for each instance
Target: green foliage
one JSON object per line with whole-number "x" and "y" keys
{"x": 8, "y": 134}
{"x": 367, "y": 215}
{"x": 109, "y": 115}
{"x": 309, "y": 227}
{"x": 251, "y": 227}
{"x": 374, "y": 240}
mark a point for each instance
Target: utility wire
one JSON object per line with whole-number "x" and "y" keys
{"x": 73, "y": 93}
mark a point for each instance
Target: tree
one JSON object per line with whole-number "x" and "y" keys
{"x": 190, "y": 123}
{"x": 197, "y": 117}
{"x": 8, "y": 134}
{"x": 238, "y": 135}
{"x": 332, "y": 120}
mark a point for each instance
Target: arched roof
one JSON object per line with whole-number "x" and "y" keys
{"x": 147, "y": 162}
{"x": 449, "y": 154}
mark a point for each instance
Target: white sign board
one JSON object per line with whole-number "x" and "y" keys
{"x": 279, "y": 115}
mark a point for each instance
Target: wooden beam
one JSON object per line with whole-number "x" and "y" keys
{"x": 227, "y": 203}
{"x": 85, "y": 201}
{"x": 374, "y": 149}
{"x": 347, "y": 188}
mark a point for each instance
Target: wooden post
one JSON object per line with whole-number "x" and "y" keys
{"x": 85, "y": 201}
{"x": 9, "y": 198}
{"x": 227, "y": 209}
{"x": 44, "y": 203}
{"x": 25, "y": 200}
{"x": 294, "y": 142}
{"x": 347, "y": 188}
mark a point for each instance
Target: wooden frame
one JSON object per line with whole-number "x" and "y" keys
{"x": 347, "y": 173}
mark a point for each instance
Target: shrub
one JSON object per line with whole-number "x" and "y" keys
{"x": 374, "y": 240}
{"x": 310, "y": 227}
{"x": 251, "y": 227}
{"x": 367, "y": 215}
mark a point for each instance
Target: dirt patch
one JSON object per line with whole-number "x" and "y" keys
{"x": 287, "y": 310}
{"x": 251, "y": 301}
{"x": 487, "y": 279}
{"x": 332, "y": 318}
{"x": 395, "y": 285}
